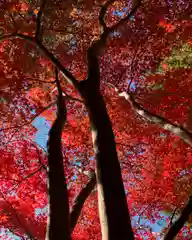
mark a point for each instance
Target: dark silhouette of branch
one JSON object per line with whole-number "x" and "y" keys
{"x": 116, "y": 222}
{"x": 108, "y": 30}
{"x": 67, "y": 75}
{"x": 102, "y": 14}
{"x": 33, "y": 173}
{"x": 58, "y": 219}
{"x": 18, "y": 235}
{"x": 80, "y": 200}
{"x": 38, "y": 21}
{"x": 100, "y": 44}
{"x": 173, "y": 215}
{"x": 179, "y": 223}
{"x": 68, "y": 97}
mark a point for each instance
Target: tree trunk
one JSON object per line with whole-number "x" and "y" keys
{"x": 113, "y": 210}
{"x": 80, "y": 200}
{"x": 58, "y": 221}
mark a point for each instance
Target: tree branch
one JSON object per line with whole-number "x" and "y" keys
{"x": 177, "y": 225}
{"x": 40, "y": 81}
{"x": 99, "y": 45}
{"x": 136, "y": 4}
{"x": 173, "y": 215}
{"x": 102, "y": 15}
{"x": 80, "y": 200}
{"x": 38, "y": 21}
{"x": 67, "y": 75}
{"x": 154, "y": 118}
{"x": 67, "y": 96}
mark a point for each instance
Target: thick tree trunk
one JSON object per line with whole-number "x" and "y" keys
{"x": 58, "y": 221}
{"x": 113, "y": 210}
{"x": 80, "y": 200}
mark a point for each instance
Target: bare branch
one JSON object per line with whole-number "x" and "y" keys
{"x": 38, "y": 21}
{"x": 154, "y": 118}
{"x": 177, "y": 225}
{"x": 72, "y": 98}
{"x": 107, "y": 30}
{"x": 59, "y": 89}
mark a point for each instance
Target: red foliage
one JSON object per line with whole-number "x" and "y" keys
{"x": 156, "y": 165}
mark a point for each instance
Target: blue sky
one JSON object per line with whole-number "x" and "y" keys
{"x": 43, "y": 127}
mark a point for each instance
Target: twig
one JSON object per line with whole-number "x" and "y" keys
{"x": 106, "y": 31}
{"x": 173, "y": 215}
{"x": 41, "y": 81}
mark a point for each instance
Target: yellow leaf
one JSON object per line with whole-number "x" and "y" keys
{"x": 36, "y": 11}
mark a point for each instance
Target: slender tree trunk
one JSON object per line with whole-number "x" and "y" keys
{"x": 113, "y": 210}
{"x": 58, "y": 221}
{"x": 180, "y": 222}
{"x": 80, "y": 200}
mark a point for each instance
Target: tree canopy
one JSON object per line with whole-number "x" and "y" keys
{"x": 112, "y": 80}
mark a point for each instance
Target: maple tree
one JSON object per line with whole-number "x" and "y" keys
{"x": 108, "y": 64}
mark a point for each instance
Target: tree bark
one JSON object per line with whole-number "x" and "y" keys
{"x": 179, "y": 223}
{"x": 113, "y": 210}
{"x": 58, "y": 220}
